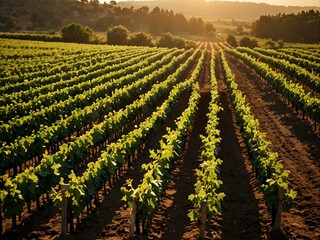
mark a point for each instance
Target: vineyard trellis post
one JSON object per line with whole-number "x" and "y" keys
{"x": 132, "y": 218}
{"x": 203, "y": 219}
{"x": 0, "y": 218}
{"x": 277, "y": 222}
{"x": 64, "y": 219}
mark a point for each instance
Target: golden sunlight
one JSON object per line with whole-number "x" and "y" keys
{"x": 315, "y": 3}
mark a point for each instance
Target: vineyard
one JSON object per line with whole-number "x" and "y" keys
{"x": 107, "y": 142}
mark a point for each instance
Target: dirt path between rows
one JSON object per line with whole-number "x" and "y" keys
{"x": 171, "y": 221}
{"x": 298, "y": 147}
{"x": 244, "y": 212}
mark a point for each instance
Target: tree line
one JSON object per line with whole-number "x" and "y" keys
{"x": 54, "y": 14}
{"x": 120, "y": 35}
{"x": 117, "y": 35}
{"x": 303, "y": 27}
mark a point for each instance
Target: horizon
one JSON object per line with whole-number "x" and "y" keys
{"x": 293, "y": 3}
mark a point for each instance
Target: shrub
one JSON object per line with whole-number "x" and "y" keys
{"x": 248, "y": 42}
{"x": 117, "y": 35}
{"x": 166, "y": 40}
{"x": 77, "y": 33}
{"x": 7, "y": 23}
{"x": 231, "y": 39}
{"x": 280, "y": 43}
{"x": 170, "y": 41}
{"x": 270, "y": 43}
{"x": 140, "y": 39}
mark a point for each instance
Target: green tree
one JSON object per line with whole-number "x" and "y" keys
{"x": 196, "y": 25}
{"x": 270, "y": 43}
{"x": 170, "y": 41}
{"x": 8, "y": 23}
{"x": 140, "y": 39}
{"x": 117, "y": 35}
{"x": 239, "y": 30}
{"x": 77, "y": 33}
{"x": 248, "y": 42}
{"x": 209, "y": 31}
{"x": 166, "y": 40}
{"x": 231, "y": 39}
{"x": 103, "y": 23}
{"x": 280, "y": 43}
{"x": 301, "y": 27}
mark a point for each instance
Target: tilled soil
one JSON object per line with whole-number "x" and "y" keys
{"x": 244, "y": 212}
{"x": 172, "y": 222}
{"x": 298, "y": 147}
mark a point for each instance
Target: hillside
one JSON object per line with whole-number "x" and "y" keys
{"x": 44, "y": 15}
{"x": 219, "y": 9}
{"x": 50, "y": 14}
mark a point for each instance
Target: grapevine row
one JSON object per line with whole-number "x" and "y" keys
{"x": 294, "y": 70}
{"x": 16, "y": 80}
{"x": 38, "y": 50}
{"x": 64, "y": 97}
{"x": 294, "y": 92}
{"x": 67, "y": 79}
{"x": 311, "y": 55}
{"x": 12, "y": 109}
{"x": 116, "y": 153}
{"x": 26, "y": 66}
{"x": 157, "y": 172}
{"x": 36, "y": 144}
{"x": 208, "y": 183}
{"x": 45, "y": 116}
{"x": 269, "y": 169}
{"x": 300, "y": 61}
{"x": 33, "y": 182}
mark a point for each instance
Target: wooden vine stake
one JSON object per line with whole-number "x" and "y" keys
{"x": 132, "y": 218}
{"x": 64, "y": 219}
{"x": 0, "y": 219}
{"x": 203, "y": 219}
{"x": 277, "y": 222}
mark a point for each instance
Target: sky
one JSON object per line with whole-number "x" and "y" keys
{"x": 272, "y": 2}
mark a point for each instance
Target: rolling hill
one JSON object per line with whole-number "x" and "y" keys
{"x": 218, "y": 9}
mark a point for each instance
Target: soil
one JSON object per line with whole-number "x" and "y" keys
{"x": 297, "y": 144}
{"x": 244, "y": 211}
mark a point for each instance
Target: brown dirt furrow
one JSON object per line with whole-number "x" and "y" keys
{"x": 171, "y": 221}
{"x": 244, "y": 212}
{"x": 111, "y": 219}
{"x": 298, "y": 147}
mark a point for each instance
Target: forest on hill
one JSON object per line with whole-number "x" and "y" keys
{"x": 157, "y": 17}
{"x": 44, "y": 15}
{"x": 302, "y": 27}
{"x": 214, "y": 10}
